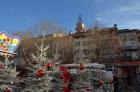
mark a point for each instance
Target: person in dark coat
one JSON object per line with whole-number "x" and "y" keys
{"x": 115, "y": 81}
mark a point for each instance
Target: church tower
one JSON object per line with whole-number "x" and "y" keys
{"x": 79, "y": 25}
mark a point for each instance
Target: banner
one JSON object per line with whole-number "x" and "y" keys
{"x": 8, "y": 44}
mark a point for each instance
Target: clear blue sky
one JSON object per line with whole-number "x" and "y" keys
{"x": 20, "y": 14}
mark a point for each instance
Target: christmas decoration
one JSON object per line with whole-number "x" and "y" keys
{"x": 7, "y": 89}
{"x": 82, "y": 66}
{"x": 55, "y": 79}
{"x": 62, "y": 68}
{"x": 61, "y": 76}
{"x": 110, "y": 82}
{"x": 66, "y": 89}
{"x": 2, "y": 66}
{"x": 49, "y": 66}
{"x": 66, "y": 76}
{"x": 40, "y": 73}
{"x": 101, "y": 82}
{"x": 88, "y": 88}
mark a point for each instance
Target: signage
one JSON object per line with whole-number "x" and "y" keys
{"x": 8, "y": 44}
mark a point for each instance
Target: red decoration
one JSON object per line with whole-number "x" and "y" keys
{"x": 2, "y": 66}
{"x": 66, "y": 75}
{"x": 61, "y": 76}
{"x": 62, "y": 68}
{"x": 7, "y": 89}
{"x": 40, "y": 73}
{"x": 101, "y": 82}
{"x": 49, "y": 66}
{"x": 66, "y": 89}
{"x": 82, "y": 66}
{"x": 88, "y": 88}
{"x": 110, "y": 82}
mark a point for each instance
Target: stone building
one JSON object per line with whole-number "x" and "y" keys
{"x": 129, "y": 61}
{"x": 95, "y": 44}
{"x": 62, "y": 48}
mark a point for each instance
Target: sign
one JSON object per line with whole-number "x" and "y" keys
{"x": 8, "y": 44}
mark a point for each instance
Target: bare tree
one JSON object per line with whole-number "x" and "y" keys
{"x": 47, "y": 26}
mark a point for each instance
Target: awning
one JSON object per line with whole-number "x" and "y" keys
{"x": 128, "y": 63}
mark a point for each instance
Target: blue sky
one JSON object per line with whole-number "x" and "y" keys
{"x": 21, "y": 14}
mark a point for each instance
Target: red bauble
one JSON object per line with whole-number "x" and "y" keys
{"x": 61, "y": 76}
{"x": 110, "y": 82}
{"x": 7, "y": 89}
{"x": 40, "y": 73}
{"x": 88, "y": 88}
{"x": 101, "y": 82}
{"x": 62, "y": 68}
{"x": 2, "y": 66}
{"x": 82, "y": 66}
{"x": 49, "y": 66}
{"x": 66, "y": 75}
{"x": 66, "y": 89}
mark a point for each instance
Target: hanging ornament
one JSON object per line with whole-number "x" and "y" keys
{"x": 40, "y": 73}
{"x": 62, "y": 68}
{"x": 49, "y": 66}
{"x": 101, "y": 82}
{"x": 110, "y": 82}
{"x": 82, "y": 66}
{"x": 7, "y": 89}
{"x": 61, "y": 76}
{"x": 2, "y": 66}
{"x": 66, "y": 89}
{"x": 88, "y": 88}
{"x": 66, "y": 75}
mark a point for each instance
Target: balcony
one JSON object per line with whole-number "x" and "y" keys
{"x": 128, "y": 61}
{"x": 129, "y": 58}
{"x": 130, "y": 47}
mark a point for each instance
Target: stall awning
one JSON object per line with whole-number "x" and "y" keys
{"x": 128, "y": 63}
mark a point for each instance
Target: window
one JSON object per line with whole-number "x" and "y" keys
{"x": 86, "y": 43}
{"x": 124, "y": 38}
{"x": 132, "y": 37}
{"x": 77, "y": 43}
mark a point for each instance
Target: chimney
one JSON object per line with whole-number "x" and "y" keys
{"x": 115, "y": 26}
{"x": 70, "y": 32}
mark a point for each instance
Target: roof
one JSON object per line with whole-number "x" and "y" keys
{"x": 128, "y": 30}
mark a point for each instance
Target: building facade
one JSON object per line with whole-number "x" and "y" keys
{"x": 129, "y": 44}
{"x": 129, "y": 61}
{"x": 109, "y": 46}
{"x": 62, "y": 48}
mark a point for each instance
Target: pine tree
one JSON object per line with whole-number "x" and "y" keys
{"x": 7, "y": 76}
{"x": 39, "y": 79}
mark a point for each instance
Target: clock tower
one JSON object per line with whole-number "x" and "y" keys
{"x": 79, "y": 25}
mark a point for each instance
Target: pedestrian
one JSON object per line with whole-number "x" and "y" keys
{"x": 115, "y": 81}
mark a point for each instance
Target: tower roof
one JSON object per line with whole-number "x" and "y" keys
{"x": 80, "y": 25}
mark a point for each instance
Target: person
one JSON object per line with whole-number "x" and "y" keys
{"x": 115, "y": 81}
